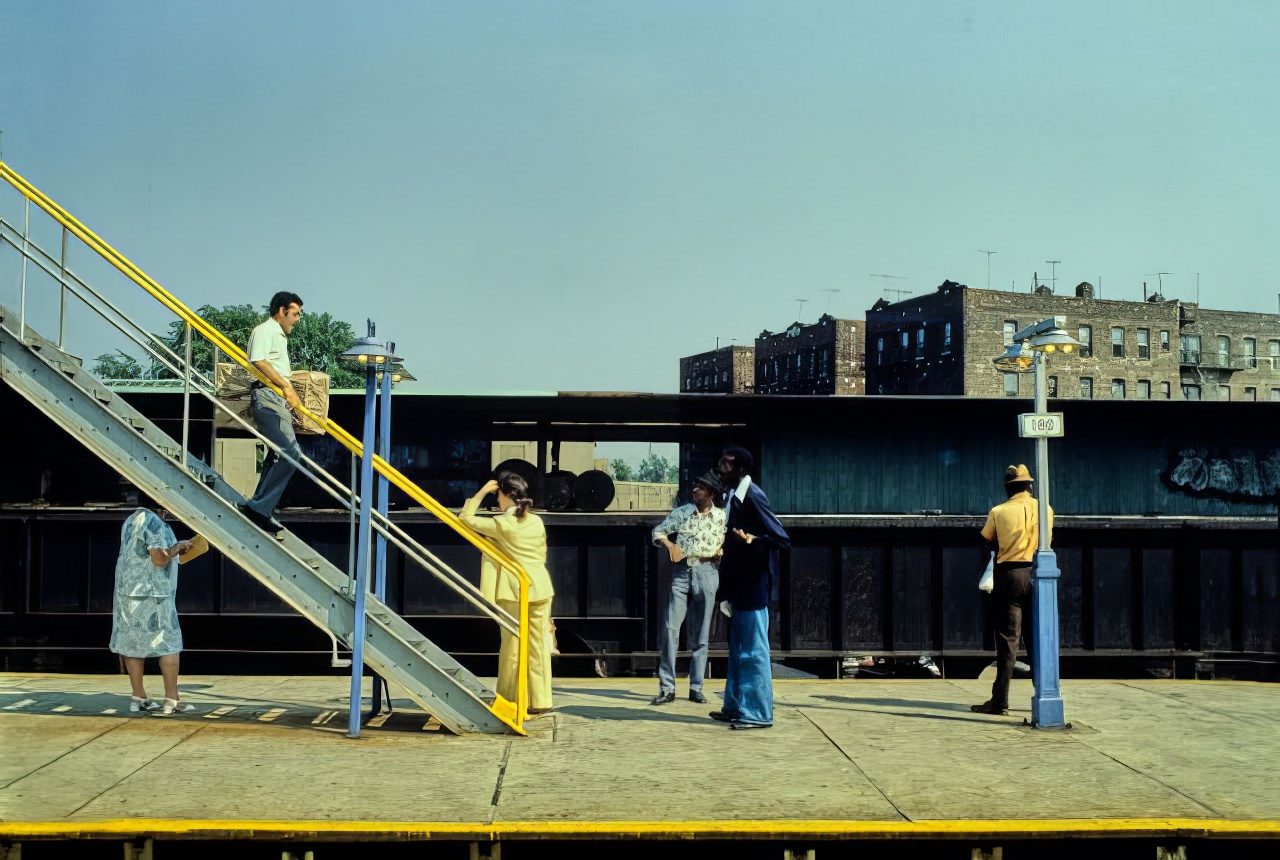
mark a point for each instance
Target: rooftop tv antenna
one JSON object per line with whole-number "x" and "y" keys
{"x": 988, "y": 253}
{"x": 1053, "y": 275}
{"x": 831, "y": 291}
{"x": 898, "y": 294}
{"x": 1160, "y": 280}
{"x": 800, "y": 313}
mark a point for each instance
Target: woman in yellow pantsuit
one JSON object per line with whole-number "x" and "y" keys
{"x": 521, "y": 534}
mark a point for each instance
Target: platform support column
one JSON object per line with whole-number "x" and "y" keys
{"x": 485, "y": 851}
{"x": 139, "y": 849}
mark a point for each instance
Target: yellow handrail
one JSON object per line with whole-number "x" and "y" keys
{"x": 198, "y": 323}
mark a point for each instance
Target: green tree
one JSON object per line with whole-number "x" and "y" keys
{"x": 117, "y": 365}
{"x": 657, "y": 470}
{"x": 620, "y": 470}
{"x": 314, "y": 344}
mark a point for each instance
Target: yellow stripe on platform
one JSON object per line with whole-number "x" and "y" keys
{"x": 341, "y": 831}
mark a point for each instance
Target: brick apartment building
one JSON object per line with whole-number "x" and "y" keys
{"x": 727, "y": 370}
{"x": 944, "y": 343}
{"x": 827, "y": 357}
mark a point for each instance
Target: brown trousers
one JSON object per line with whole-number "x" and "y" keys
{"x": 1010, "y": 604}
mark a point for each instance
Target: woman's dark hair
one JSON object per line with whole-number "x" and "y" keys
{"x": 516, "y": 489}
{"x": 282, "y": 300}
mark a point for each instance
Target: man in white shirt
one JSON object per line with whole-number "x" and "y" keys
{"x": 699, "y": 532}
{"x": 269, "y": 351}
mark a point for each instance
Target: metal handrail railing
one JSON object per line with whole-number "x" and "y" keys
{"x": 197, "y": 323}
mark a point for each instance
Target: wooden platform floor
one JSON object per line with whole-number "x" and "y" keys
{"x": 268, "y": 755}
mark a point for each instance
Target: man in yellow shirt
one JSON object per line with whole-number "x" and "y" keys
{"x": 1012, "y": 531}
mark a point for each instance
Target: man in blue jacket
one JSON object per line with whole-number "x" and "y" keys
{"x": 747, "y": 573}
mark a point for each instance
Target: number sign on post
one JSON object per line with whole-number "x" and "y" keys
{"x": 1040, "y": 424}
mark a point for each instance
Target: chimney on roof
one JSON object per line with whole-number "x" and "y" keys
{"x": 1084, "y": 290}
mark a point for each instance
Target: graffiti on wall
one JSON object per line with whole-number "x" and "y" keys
{"x": 1239, "y": 474}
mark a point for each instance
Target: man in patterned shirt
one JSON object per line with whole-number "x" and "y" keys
{"x": 699, "y": 535}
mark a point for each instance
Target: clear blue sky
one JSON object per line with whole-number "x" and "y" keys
{"x": 569, "y": 196}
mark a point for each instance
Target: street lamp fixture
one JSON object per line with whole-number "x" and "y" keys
{"x": 367, "y": 353}
{"x": 1030, "y": 351}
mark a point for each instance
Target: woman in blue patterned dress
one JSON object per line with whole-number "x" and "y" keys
{"x": 144, "y": 621}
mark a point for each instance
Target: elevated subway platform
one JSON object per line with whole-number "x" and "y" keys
{"x": 901, "y": 768}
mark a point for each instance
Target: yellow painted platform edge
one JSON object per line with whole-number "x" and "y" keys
{"x": 732, "y": 829}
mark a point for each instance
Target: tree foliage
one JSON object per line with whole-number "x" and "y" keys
{"x": 315, "y": 343}
{"x": 117, "y": 365}
{"x": 658, "y": 470}
{"x": 620, "y": 470}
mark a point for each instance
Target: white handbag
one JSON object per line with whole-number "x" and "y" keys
{"x": 987, "y": 582}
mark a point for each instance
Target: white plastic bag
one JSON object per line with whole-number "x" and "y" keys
{"x": 988, "y": 576}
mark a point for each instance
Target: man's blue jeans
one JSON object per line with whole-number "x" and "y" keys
{"x": 693, "y": 594}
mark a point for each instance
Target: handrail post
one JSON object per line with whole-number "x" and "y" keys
{"x": 361, "y": 581}
{"x": 186, "y": 398}
{"x": 213, "y": 417}
{"x": 62, "y": 291}
{"x": 22, "y": 289}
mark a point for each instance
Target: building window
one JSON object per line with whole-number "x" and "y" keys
{"x": 1085, "y": 337}
{"x": 1117, "y": 342}
{"x": 1250, "y": 352}
{"x": 1224, "y": 351}
{"x": 906, "y": 343}
{"x": 920, "y": 343}
{"x": 879, "y": 351}
{"x": 1250, "y": 393}
{"x": 1053, "y": 386}
{"x": 1117, "y": 389}
{"x": 1190, "y": 391}
{"x": 1144, "y": 343}
{"x": 1164, "y": 341}
{"x": 946, "y": 339}
{"x": 1275, "y": 395}
{"x": 1273, "y": 347}
{"x": 1144, "y": 389}
{"x": 1190, "y": 348}
{"x": 1164, "y": 391}
{"x": 1224, "y": 392}
{"x": 1010, "y": 385}
{"x": 1010, "y": 329}
{"x": 1086, "y": 387}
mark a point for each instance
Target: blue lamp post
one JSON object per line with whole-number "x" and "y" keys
{"x": 370, "y": 356}
{"x": 388, "y": 377}
{"x": 1029, "y": 352}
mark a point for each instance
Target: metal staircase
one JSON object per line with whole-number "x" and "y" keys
{"x": 58, "y": 385}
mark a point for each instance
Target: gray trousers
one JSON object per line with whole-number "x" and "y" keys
{"x": 693, "y": 593}
{"x": 274, "y": 421}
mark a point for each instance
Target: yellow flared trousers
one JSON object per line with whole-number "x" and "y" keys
{"x": 539, "y": 654}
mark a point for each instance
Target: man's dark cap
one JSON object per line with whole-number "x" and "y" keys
{"x": 712, "y": 482}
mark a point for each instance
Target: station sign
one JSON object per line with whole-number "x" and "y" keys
{"x": 1038, "y": 425}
